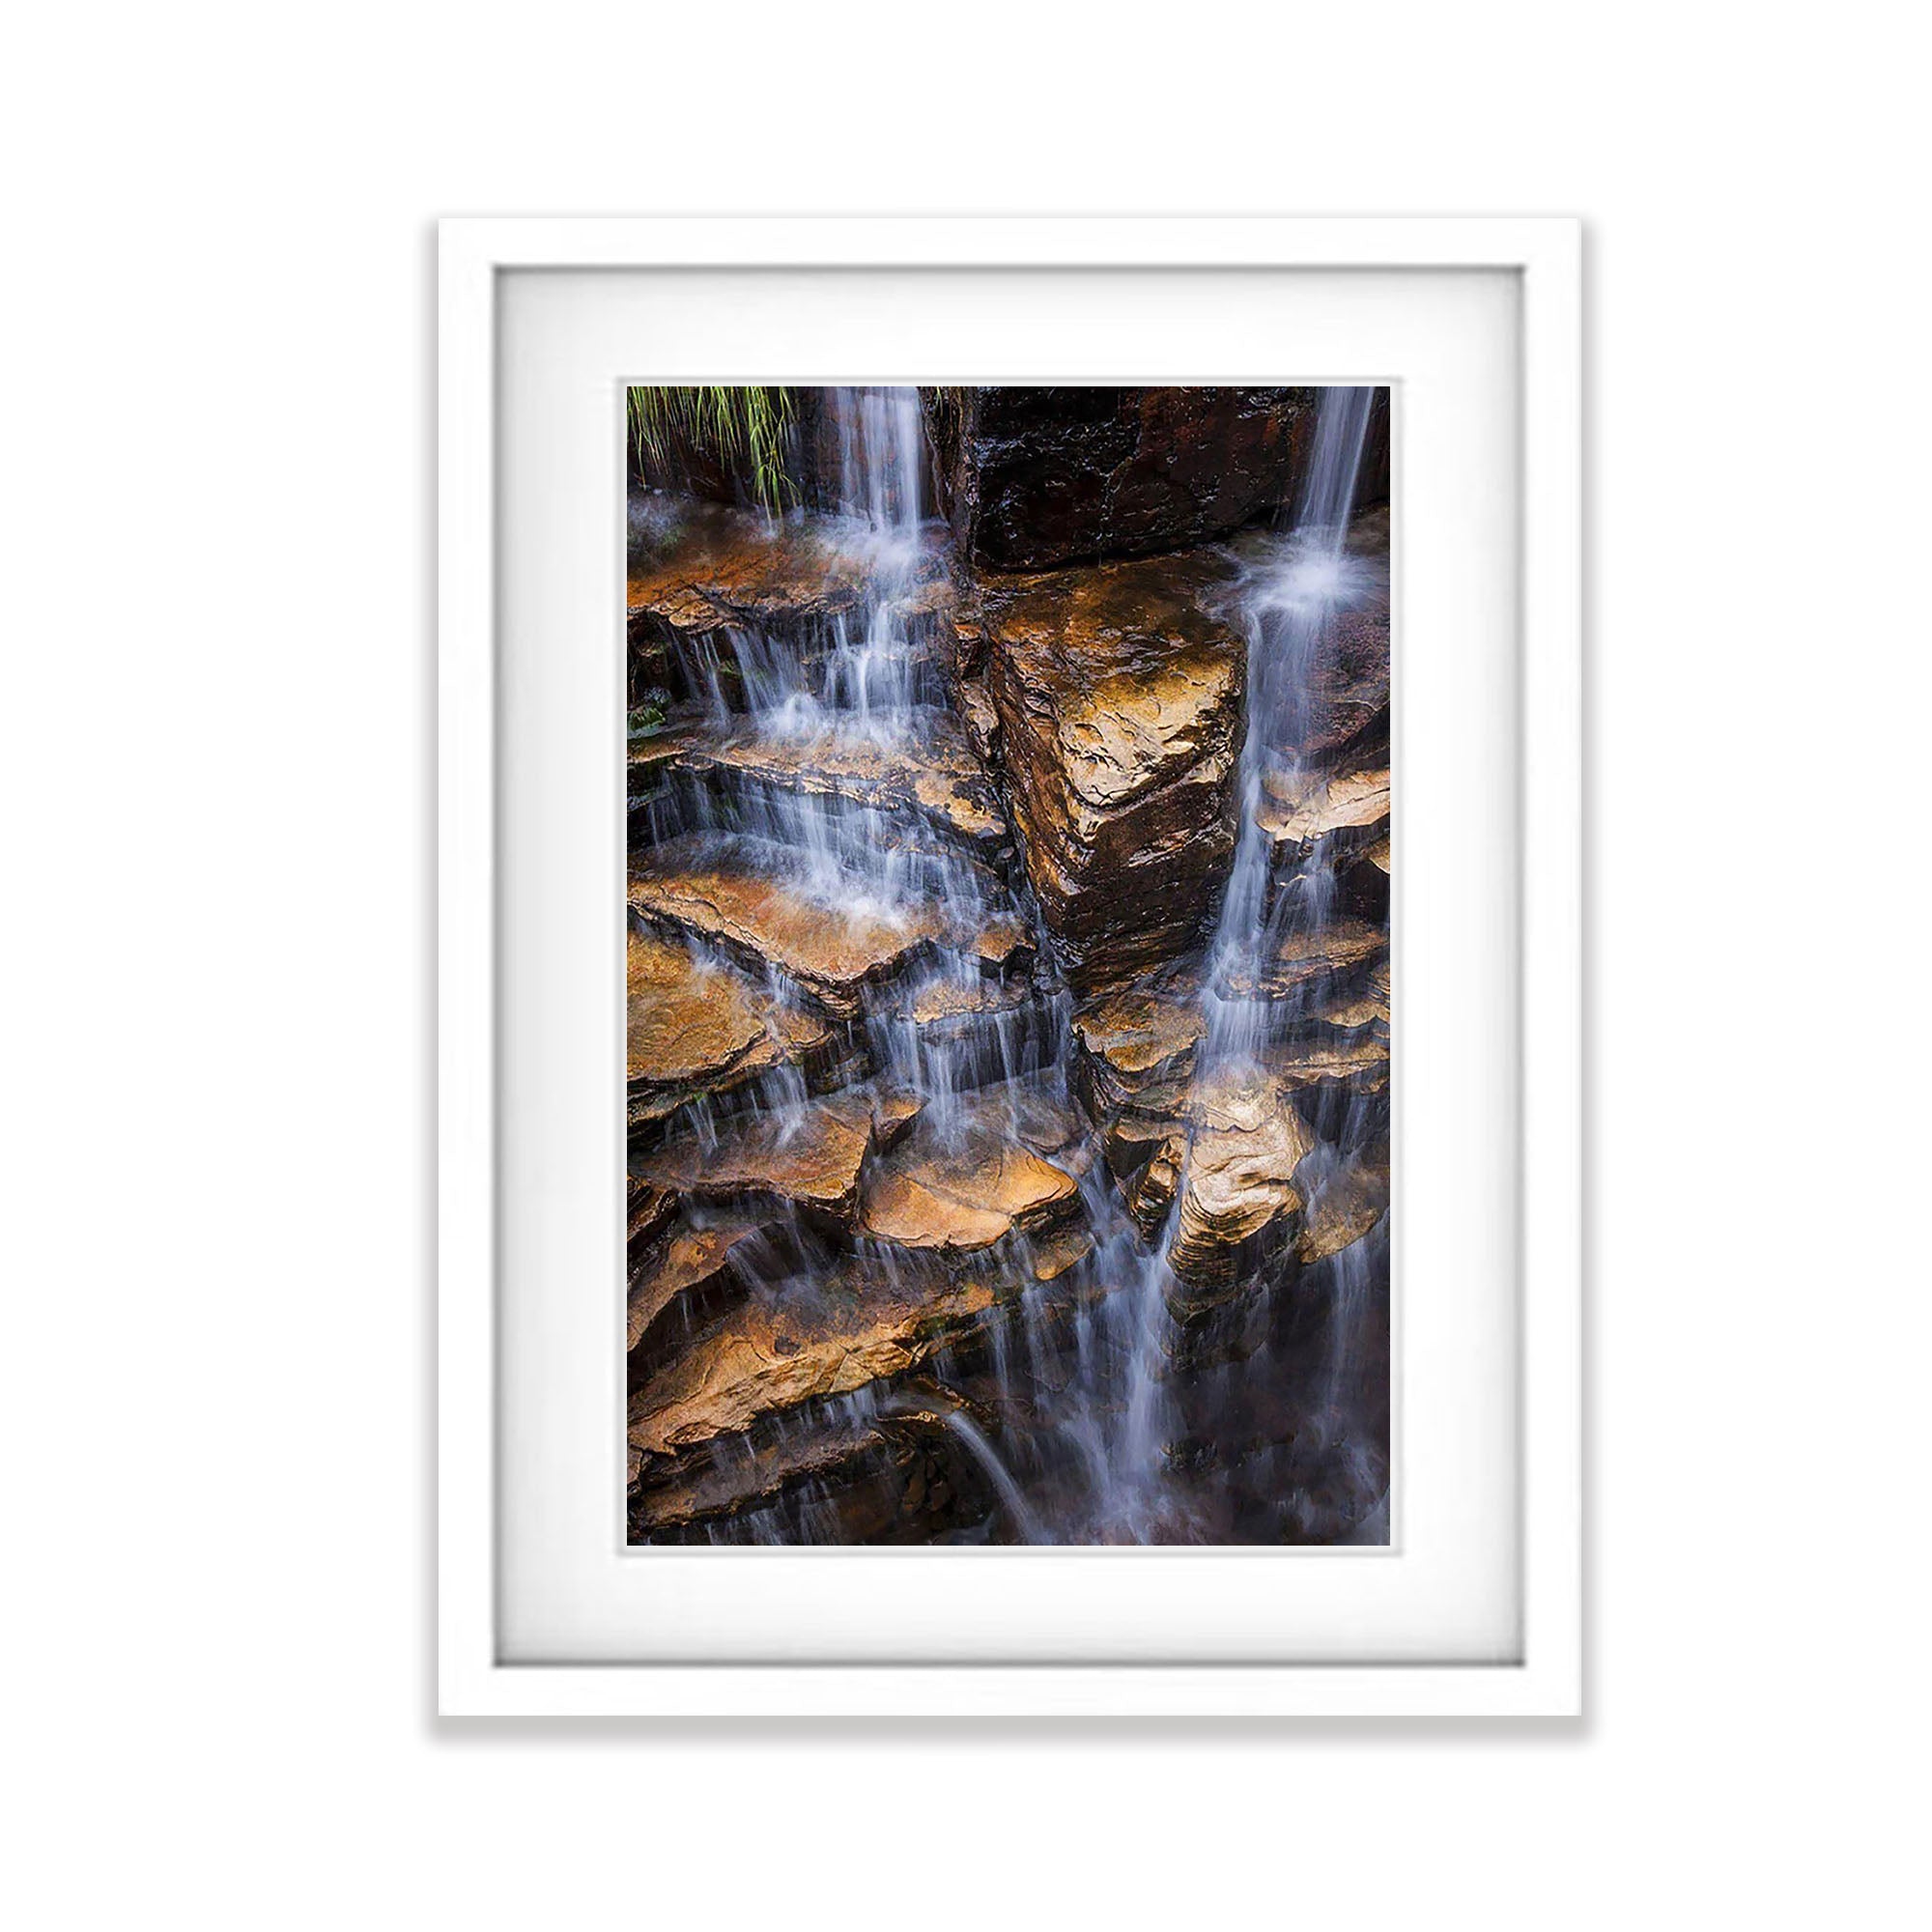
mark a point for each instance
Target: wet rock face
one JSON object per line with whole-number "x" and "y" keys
{"x": 701, "y": 564}
{"x": 746, "y": 904}
{"x": 1347, "y": 1200}
{"x": 1348, "y": 808}
{"x": 1239, "y": 1192}
{"x": 932, "y": 774}
{"x": 698, "y": 1028}
{"x": 1032, "y": 477}
{"x": 704, "y": 584}
{"x": 952, "y": 1116}
{"x": 966, "y": 1186}
{"x": 810, "y": 1159}
{"x": 1117, "y": 688}
{"x": 769, "y": 1356}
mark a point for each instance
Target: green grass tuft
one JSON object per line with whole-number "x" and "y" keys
{"x": 734, "y": 425}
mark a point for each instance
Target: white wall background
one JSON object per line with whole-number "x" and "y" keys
{"x": 214, "y": 780}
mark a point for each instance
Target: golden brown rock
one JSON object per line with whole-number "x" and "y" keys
{"x": 1345, "y": 1206}
{"x": 688, "y": 1271}
{"x": 1118, "y": 694}
{"x": 713, "y": 577}
{"x": 1151, "y": 1191}
{"x": 856, "y": 1327}
{"x": 720, "y": 565}
{"x": 1359, "y": 1062}
{"x": 811, "y": 1157}
{"x": 1038, "y": 1113}
{"x": 1139, "y": 1042}
{"x": 1238, "y": 1184}
{"x": 831, "y": 952}
{"x": 950, "y": 1002}
{"x": 1054, "y": 1254}
{"x": 1364, "y": 1004}
{"x": 1298, "y": 809}
{"x": 1131, "y": 1139}
{"x": 701, "y": 1026}
{"x": 982, "y": 717}
{"x": 960, "y": 1190}
{"x": 1305, "y": 958}
{"x": 1001, "y": 941}
{"x": 894, "y": 1110}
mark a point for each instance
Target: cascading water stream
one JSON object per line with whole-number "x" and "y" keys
{"x": 1290, "y": 600}
{"x": 1290, "y": 604}
{"x": 865, "y": 698}
{"x": 1071, "y": 1380}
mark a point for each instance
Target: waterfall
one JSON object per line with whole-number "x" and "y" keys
{"x": 1291, "y": 598}
{"x": 818, "y": 750}
{"x": 857, "y": 695}
{"x": 881, "y": 448}
{"x": 1009, "y": 1492}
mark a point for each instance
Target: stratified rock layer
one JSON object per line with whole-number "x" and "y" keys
{"x": 928, "y": 769}
{"x": 707, "y": 582}
{"x": 962, "y": 1185}
{"x": 699, "y": 1028}
{"x": 809, "y": 1157}
{"x": 859, "y": 1325}
{"x": 1118, "y": 694}
{"x": 748, "y": 904}
{"x": 1238, "y": 1184}
{"x": 1299, "y": 810}
{"x": 1344, "y": 1205}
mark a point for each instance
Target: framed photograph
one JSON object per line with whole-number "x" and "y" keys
{"x": 1010, "y": 967}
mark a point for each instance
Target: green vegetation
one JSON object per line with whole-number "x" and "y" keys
{"x": 742, "y": 428}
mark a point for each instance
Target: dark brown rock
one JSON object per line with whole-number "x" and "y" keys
{"x": 932, "y": 773}
{"x": 1341, "y": 716}
{"x": 715, "y": 1487}
{"x": 1032, "y": 477}
{"x": 1372, "y": 479}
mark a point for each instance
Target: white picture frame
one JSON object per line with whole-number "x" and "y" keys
{"x": 1545, "y": 1678}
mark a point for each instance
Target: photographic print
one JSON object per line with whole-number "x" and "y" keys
{"x": 1007, "y": 978}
